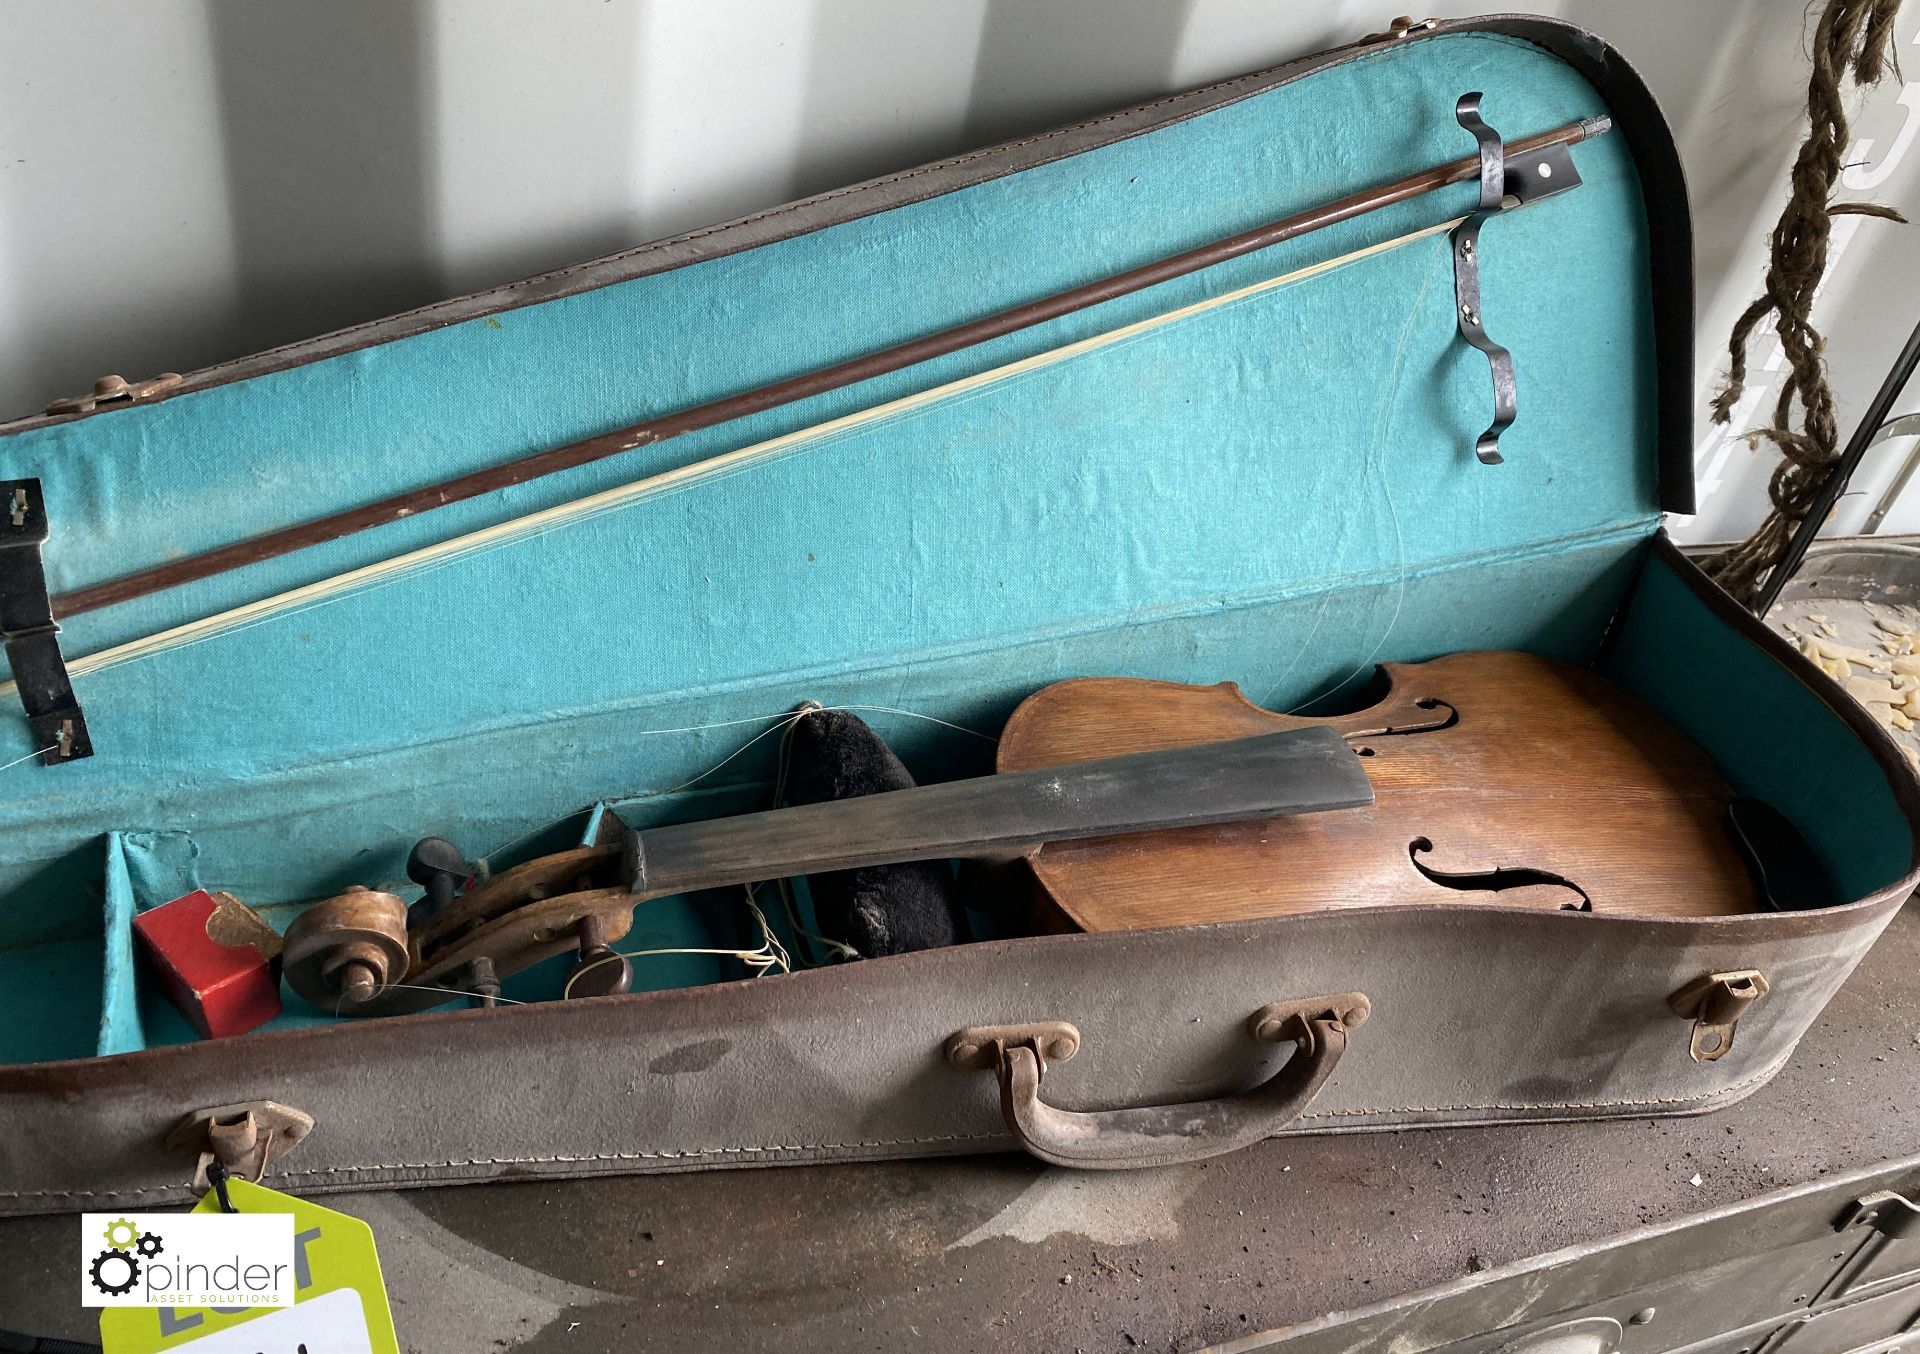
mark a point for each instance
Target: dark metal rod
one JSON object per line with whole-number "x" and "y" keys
{"x": 1836, "y": 482}
{"x": 413, "y": 502}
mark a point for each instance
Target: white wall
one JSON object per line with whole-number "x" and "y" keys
{"x": 188, "y": 180}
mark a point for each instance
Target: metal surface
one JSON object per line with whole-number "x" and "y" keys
{"x": 426, "y": 498}
{"x": 970, "y": 1254}
{"x": 58, "y": 724}
{"x": 1907, "y": 425}
{"x": 244, "y": 1138}
{"x": 1888, "y": 1212}
{"x": 112, "y": 390}
{"x": 1715, "y": 1004}
{"x": 1466, "y": 275}
{"x": 1807, "y": 1268}
{"x": 977, "y": 1048}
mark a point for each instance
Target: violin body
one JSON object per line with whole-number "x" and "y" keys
{"x": 1501, "y": 779}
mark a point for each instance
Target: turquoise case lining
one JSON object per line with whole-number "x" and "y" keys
{"x": 1280, "y": 492}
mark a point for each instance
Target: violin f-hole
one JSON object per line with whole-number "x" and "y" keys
{"x": 1495, "y": 880}
{"x": 1394, "y": 719}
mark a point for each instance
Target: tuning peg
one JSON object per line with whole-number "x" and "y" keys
{"x": 436, "y": 865}
{"x": 600, "y": 971}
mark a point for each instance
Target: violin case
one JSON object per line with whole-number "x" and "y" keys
{"x": 1282, "y": 492}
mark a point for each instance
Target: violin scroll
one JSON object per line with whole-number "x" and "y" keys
{"x": 343, "y": 951}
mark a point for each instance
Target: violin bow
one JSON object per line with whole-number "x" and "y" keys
{"x": 413, "y": 502}
{"x": 195, "y": 567}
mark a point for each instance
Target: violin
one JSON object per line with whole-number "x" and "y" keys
{"x": 1499, "y": 778}
{"x": 1479, "y": 778}
{"x": 362, "y": 954}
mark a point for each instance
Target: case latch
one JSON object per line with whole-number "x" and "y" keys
{"x": 245, "y": 1138}
{"x": 1715, "y": 1004}
{"x": 1504, "y": 179}
{"x": 58, "y": 726}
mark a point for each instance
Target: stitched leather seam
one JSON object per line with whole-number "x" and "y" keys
{"x": 518, "y": 1161}
{"x": 1765, "y": 1072}
{"x": 434, "y": 308}
{"x": 694, "y": 1153}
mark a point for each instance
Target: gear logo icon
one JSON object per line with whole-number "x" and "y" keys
{"x": 114, "y": 1272}
{"x": 121, "y": 1234}
{"x": 149, "y": 1245}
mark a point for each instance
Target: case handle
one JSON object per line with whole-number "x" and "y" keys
{"x": 1159, "y": 1135}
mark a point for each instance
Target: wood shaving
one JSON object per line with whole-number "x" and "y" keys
{"x": 1818, "y": 649}
{"x": 1869, "y": 692}
{"x": 1893, "y": 625}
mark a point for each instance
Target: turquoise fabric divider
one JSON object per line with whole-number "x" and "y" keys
{"x": 1774, "y": 738}
{"x": 1280, "y": 492}
{"x": 120, "y": 1029}
{"x": 53, "y": 961}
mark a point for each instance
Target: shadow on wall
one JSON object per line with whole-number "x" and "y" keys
{"x": 327, "y": 116}
{"x": 349, "y": 199}
{"x": 1041, "y": 65}
{"x": 1035, "y": 66}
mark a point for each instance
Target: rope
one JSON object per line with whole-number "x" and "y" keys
{"x": 1856, "y": 36}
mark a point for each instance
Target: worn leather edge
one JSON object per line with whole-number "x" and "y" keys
{"x": 560, "y": 1166}
{"x": 1886, "y": 753}
{"x": 722, "y": 1002}
{"x": 1636, "y": 115}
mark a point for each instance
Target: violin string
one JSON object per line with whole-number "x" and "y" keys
{"x": 356, "y": 582}
{"x": 769, "y": 942}
{"x": 782, "y": 720}
{"x": 448, "y": 992}
{"x": 1382, "y": 436}
{"x": 29, "y": 757}
{"x": 783, "y": 887}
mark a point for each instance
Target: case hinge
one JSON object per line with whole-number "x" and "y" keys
{"x": 111, "y": 390}
{"x": 58, "y": 725}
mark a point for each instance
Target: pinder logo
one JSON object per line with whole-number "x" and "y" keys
{"x": 230, "y": 1260}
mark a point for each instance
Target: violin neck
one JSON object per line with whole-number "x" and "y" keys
{"x": 1269, "y": 776}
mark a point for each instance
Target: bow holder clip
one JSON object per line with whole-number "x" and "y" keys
{"x": 1505, "y": 180}
{"x": 58, "y": 725}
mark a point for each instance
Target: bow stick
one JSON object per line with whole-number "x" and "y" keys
{"x": 681, "y": 477}
{"x": 413, "y": 502}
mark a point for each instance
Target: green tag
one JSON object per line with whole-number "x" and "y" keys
{"x": 340, "y": 1303}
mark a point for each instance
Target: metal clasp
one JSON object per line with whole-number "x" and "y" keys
{"x": 55, "y": 720}
{"x": 1401, "y": 27}
{"x": 110, "y": 390}
{"x": 1715, "y": 1004}
{"x": 245, "y": 1138}
{"x": 1466, "y": 275}
{"x": 977, "y": 1048}
{"x": 1504, "y": 180}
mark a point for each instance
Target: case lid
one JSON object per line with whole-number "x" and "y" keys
{"x": 1278, "y": 491}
